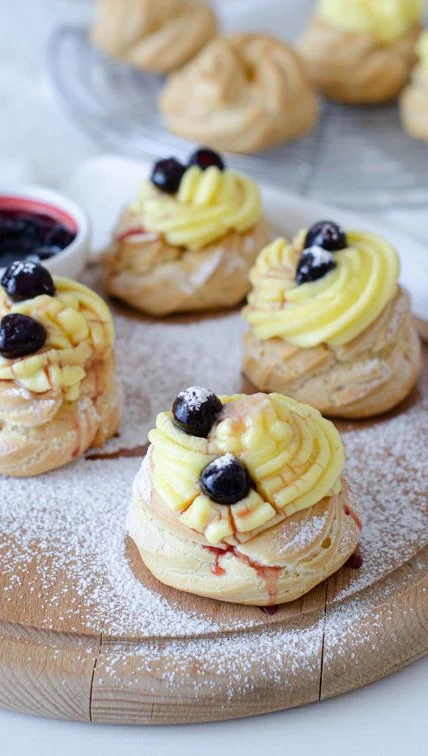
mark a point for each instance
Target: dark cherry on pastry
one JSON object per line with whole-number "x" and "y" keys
{"x": 167, "y": 175}
{"x": 204, "y": 158}
{"x": 226, "y": 480}
{"x": 20, "y": 335}
{"x": 314, "y": 263}
{"x": 326, "y": 234}
{"x": 23, "y": 233}
{"x": 195, "y": 411}
{"x": 26, "y": 280}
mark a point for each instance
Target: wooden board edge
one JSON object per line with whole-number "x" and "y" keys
{"x": 114, "y": 681}
{"x": 387, "y": 637}
{"x": 47, "y": 673}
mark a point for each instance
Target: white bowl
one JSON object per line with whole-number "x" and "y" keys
{"x": 72, "y": 259}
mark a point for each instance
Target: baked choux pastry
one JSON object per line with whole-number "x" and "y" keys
{"x": 155, "y": 35}
{"x": 189, "y": 241}
{"x": 241, "y": 498}
{"x": 414, "y": 100}
{"x": 329, "y": 324}
{"x": 362, "y": 51}
{"x": 241, "y": 94}
{"x": 58, "y": 391}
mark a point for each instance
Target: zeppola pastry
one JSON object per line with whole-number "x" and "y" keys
{"x": 362, "y": 51}
{"x": 241, "y": 94}
{"x": 155, "y": 35}
{"x": 241, "y": 498}
{"x": 58, "y": 391}
{"x": 189, "y": 241}
{"x": 414, "y": 100}
{"x": 329, "y": 324}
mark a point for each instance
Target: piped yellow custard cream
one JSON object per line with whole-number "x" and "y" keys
{"x": 388, "y": 20}
{"x": 51, "y": 330}
{"x": 232, "y": 466}
{"x": 326, "y": 287}
{"x": 195, "y": 206}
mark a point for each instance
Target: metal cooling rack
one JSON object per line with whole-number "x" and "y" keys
{"x": 357, "y": 157}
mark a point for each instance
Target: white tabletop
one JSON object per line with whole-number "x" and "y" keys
{"x": 389, "y": 717}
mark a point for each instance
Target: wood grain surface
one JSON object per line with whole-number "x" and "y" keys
{"x": 318, "y": 647}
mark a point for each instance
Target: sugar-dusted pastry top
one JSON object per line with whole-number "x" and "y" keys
{"x": 208, "y": 204}
{"x": 79, "y": 330}
{"x": 338, "y": 296}
{"x": 293, "y": 456}
{"x": 385, "y": 19}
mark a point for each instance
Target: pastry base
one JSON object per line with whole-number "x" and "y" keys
{"x": 277, "y": 566}
{"x": 355, "y": 68}
{"x": 35, "y": 439}
{"x": 368, "y": 376}
{"x": 153, "y": 276}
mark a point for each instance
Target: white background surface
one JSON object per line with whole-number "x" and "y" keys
{"x": 388, "y": 718}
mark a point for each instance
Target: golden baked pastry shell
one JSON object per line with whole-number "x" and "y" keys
{"x": 155, "y": 277}
{"x": 356, "y": 68}
{"x": 369, "y": 375}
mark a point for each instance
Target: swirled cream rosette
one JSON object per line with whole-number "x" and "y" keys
{"x": 242, "y": 94}
{"x": 362, "y": 51}
{"x": 154, "y": 35}
{"x": 188, "y": 251}
{"x": 297, "y": 524}
{"x": 414, "y": 100}
{"x": 64, "y": 398}
{"x": 344, "y": 343}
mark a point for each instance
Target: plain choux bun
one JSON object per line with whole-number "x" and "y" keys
{"x": 155, "y": 35}
{"x": 242, "y": 94}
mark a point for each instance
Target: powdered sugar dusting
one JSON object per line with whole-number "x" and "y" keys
{"x": 320, "y": 256}
{"x": 300, "y": 536}
{"x": 388, "y": 467}
{"x": 225, "y": 461}
{"x": 195, "y": 396}
{"x": 63, "y": 537}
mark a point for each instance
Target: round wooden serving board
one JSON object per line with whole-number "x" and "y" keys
{"x": 86, "y": 633}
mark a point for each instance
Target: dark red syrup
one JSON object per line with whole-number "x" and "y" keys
{"x": 355, "y": 561}
{"x": 350, "y": 513}
{"x": 31, "y": 230}
{"x": 270, "y": 575}
{"x": 270, "y": 610}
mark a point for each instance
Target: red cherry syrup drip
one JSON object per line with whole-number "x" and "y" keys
{"x": 270, "y": 575}
{"x": 356, "y": 519}
{"x": 355, "y": 561}
{"x": 216, "y": 568}
{"x": 133, "y": 231}
{"x": 270, "y": 610}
